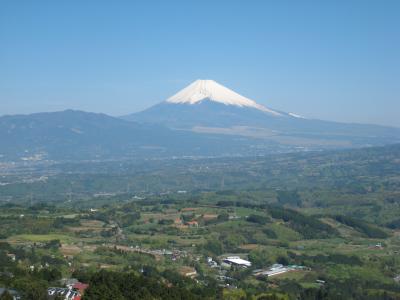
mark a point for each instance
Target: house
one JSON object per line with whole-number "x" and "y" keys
{"x": 11, "y": 256}
{"x": 237, "y": 261}
{"x": 211, "y": 263}
{"x": 68, "y": 282}
{"x": 188, "y": 209}
{"x": 178, "y": 221}
{"x": 81, "y": 287}
{"x": 192, "y": 224}
{"x": 208, "y": 217}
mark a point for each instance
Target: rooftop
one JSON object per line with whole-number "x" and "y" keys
{"x": 237, "y": 261}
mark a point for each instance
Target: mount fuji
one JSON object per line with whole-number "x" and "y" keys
{"x": 206, "y": 103}
{"x": 206, "y": 106}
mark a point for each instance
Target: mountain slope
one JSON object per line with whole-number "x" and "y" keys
{"x": 206, "y": 106}
{"x": 81, "y": 135}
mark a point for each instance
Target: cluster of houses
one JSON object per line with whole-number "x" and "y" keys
{"x": 73, "y": 290}
{"x": 193, "y": 223}
{"x": 174, "y": 254}
{"x": 180, "y": 224}
{"x": 64, "y": 293}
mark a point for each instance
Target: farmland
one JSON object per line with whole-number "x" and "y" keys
{"x": 344, "y": 238}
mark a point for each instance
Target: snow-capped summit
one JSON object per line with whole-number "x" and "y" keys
{"x": 210, "y": 90}
{"x": 296, "y": 115}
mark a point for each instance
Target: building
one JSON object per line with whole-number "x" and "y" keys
{"x": 211, "y": 263}
{"x": 188, "y": 209}
{"x": 188, "y": 272}
{"x": 11, "y": 256}
{"x": 68, "y": 282}
{"x": 178, "y": 221}
{"x": 208, "y": 217}
{"x": 237, "y": 261}
{"x": 192, "y": 224}
{"x": 81, "y": 287}
{"x": 277, "y": 269}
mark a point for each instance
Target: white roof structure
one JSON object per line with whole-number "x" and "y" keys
{"x": 201, "y": 89}
{"x": 236, "y": 260}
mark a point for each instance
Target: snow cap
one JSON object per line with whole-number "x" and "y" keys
{"x": 210, "y": 90}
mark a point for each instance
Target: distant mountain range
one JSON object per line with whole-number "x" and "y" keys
{"x": 203, "y": 119}
{"x": 208, "y": 107}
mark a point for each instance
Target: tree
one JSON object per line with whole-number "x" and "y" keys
{"x": 103, "y": 285}
{"x": 260, "y": 258}
{"x": 282, "y": 260}
{"x": 214, "y": 247}
{"x": 6, "y": 296}
{"x": 223, "y": 217}
{"x": 31, "y": 289}
{"x": 257, "y": 219}
{"x": 289, "y": 197}
{"x": 50, "y": 274}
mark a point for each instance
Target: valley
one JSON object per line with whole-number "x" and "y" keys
{"x": 318, "y": 222}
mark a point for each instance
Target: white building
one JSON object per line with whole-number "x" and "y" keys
{"x": 237, "y": 261}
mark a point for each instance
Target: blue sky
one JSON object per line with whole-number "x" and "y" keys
{"x": 335, "y": 60}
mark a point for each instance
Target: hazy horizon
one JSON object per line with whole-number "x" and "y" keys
{"x": 330, "y": 61}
